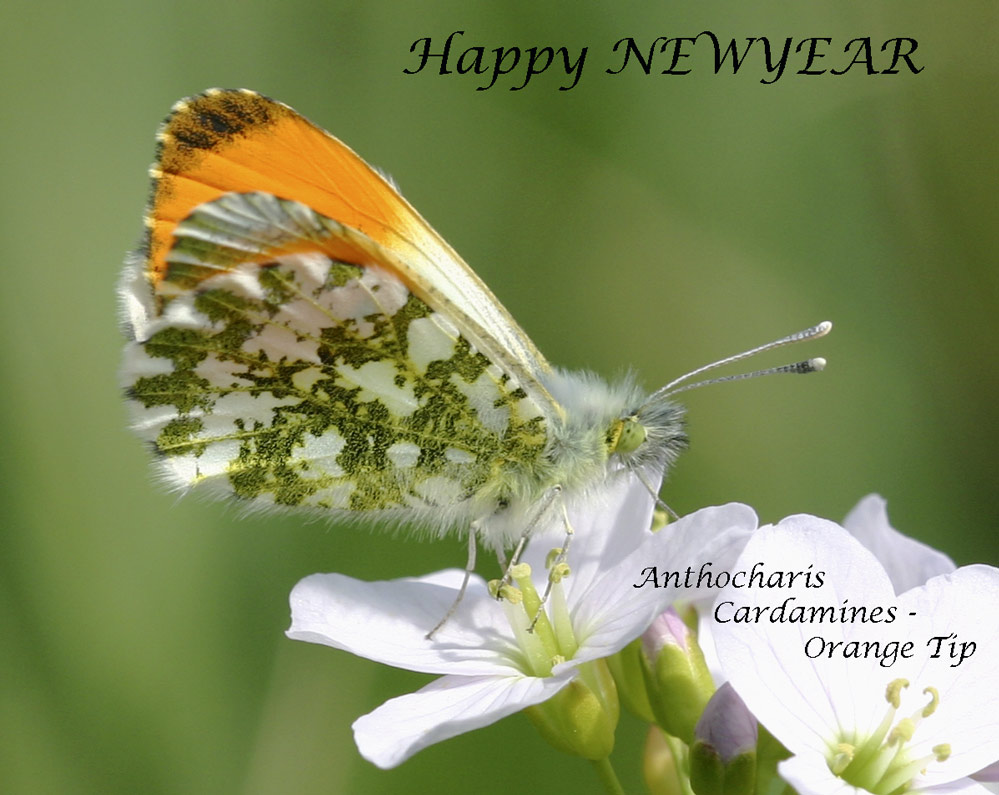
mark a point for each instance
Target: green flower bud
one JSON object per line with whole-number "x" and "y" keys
{"x": 678, "y": 680}
{"x": 582, "y": 717}
{"x": 629, "y": 668}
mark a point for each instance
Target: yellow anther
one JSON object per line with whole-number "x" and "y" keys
{"x": 659, "y": 519}
{"x": 902, "y": 732}
{"x": 510, "y": 593}
{"x": 893, "y": 693}
{"x": 841, "y": 760}
{"x": 934, "y": 695}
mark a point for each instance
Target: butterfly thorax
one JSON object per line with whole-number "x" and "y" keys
{"x": 600, "y": 431}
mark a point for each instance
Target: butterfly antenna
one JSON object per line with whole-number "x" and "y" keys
{"x": 807, "y": 366}
{"x": 798, "y": 368}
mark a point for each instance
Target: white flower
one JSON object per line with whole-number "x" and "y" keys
{"x": 908, "y": 562}
{"x": 491, "y": 665}
{"x": 859, "y": 710}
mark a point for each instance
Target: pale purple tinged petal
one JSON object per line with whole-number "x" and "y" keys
{"x": 962, "y": 786}
{"x": 800, "y": 700}
{"x": 809, "y": 703}
{"x": 990, "y": 773}
{"x": 961, "y": 604}
{"x": 727, "y": 725}
{"x": 908, "y": 562}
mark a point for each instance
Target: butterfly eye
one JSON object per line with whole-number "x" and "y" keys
{"x": 629, "y": 433}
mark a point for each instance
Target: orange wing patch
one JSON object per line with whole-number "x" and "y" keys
{"x": 239, "y": 141}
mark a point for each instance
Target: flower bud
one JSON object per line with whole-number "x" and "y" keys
{"x": 678, "y": 680}
{"x": 723, "y": 754}
{"x": 629, "y": 669}
{"x": 581, "y": 718}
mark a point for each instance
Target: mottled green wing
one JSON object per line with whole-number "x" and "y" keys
{"x": 288, "y": 363}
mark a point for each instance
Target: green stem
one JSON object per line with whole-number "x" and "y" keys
{"x": 607, "y": 776}
{"x": 681, "y": 762}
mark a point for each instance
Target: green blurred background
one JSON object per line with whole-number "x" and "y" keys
{"x": 648, "y": 222}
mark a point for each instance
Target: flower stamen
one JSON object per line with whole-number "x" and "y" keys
{"x": 842, "y": 758}
{"x": 546, "y": 640}
{"x": 881, "y": 763}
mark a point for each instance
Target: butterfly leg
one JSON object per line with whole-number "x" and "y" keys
{"x": 638, "y": 473}
{"x": 469, "y": 568}
{"x": 507, "y": 568}
{"x": 557, "y": 567}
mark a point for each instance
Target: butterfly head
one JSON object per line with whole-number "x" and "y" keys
{"x": 612, "y": 423}
{"x": 651, "y": 436}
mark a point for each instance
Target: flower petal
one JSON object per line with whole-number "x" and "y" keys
{"x": 715, "y": 535}
{"x": 809, "y": 703}
{"x": 803, "y": 702}
{"x": 445, "y": 708}
{"x": 608, "y": 523}
{"x": 908, "y": 562}
{"x": 957, "y": 608}
{"x": 962, "y": 786}
{"x": 613, "y": 611}
{"x": 810, "y": 775}
{"x": 388, "y": 622}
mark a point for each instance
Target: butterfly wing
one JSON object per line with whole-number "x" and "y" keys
{"x": 239, "y": 141}
{"x": 289, "y": 363}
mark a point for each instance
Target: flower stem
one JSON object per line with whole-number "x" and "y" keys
{"x": 607, "y": 776}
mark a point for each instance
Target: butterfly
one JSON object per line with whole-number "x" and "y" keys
{"x": 299, "y": 336}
